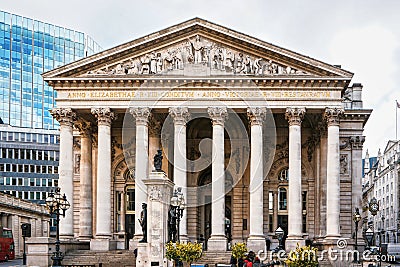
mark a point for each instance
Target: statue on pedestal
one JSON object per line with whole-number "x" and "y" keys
{"x": 172, "y": 231}
{"x": 143, "y": 222}
{"x": 158, "y": 161}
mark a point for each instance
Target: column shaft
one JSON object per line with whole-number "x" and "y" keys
{"x": 333, "y": 174}
{"x": 256, "y": 239}
{"x": 66, "y": 117}
{"x": 180, "y": 116}
{"x": 295, "y": 117}
{"x": 218, "y": 239}
{"x": 141, "y": 164}
{"x": 85, "y": 201}
{"x": 103, "y": 206}
{"x": 123, "y": 211}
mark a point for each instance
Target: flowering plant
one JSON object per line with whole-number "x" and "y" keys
{"x": 239, "y": 250}
{"x": 187, "y": 252}
{"x": 304, "y": 256}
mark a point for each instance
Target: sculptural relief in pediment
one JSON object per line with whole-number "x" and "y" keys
{"x": 197, "y": 54}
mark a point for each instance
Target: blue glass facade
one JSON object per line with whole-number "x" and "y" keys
{"x": 27, "y": 49}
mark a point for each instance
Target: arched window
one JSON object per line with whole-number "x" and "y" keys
{"x": 284, "y": 175}
{"x": 282, "y": 199}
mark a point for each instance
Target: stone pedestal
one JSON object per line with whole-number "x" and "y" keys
{"x": 142, "y": 258}
{"x": 103, "y": 244}
{"x": 159, "y": 192}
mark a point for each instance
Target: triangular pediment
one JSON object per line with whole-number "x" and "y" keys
{"x": 197, "y": 48}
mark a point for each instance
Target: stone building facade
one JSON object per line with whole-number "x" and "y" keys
{"x": 256, "y": 135}
{"x": 14, "y": 212}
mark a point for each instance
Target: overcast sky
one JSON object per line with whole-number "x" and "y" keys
{"x": 362, "y": 36}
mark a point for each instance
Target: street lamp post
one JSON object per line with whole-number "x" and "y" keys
{"x": 356, "y": 219}
{"x": 369, "y": 235}
{"x": 57, "y": 204}
{"x": 178, "y": 204}
{"x": 380, "y": 240}
{"x": 279, "y": 234}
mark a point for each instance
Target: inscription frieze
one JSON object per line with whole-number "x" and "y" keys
{"x": 197, "y": 94}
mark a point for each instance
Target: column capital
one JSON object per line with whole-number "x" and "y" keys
{"x": 141, "y": 115}
{"x": 218, "y": 115}
{"x": 357, "y": 142}
{"x": 85, "y": 128}
{"x": 333, "y": 115}
{"x": 104, "y": 116}
{"x": 180, "y": 115}
{"x": 295, "y": 115}
{"x": 256, "y": 115}
{"x": 65, "y": 116}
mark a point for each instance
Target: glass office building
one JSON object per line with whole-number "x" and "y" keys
{"x": 27, "y": 49}
{"x": 29, "y": 148}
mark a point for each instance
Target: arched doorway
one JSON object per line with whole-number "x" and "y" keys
{"x": 204, "y": 184}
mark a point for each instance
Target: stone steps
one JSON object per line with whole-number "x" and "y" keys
{"x": 124, "y": 258}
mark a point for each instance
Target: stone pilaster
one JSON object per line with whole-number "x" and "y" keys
{"x": 356, "y": 143}
{"x": 66, "y": 118}
{"x": 332, "y": 116}
{"x": 85, "y": 181}
{"x": 104, "y": 118}
{"x": 256, "y": 240}
{"x": 180, "y": 116}
{"x": 295, "y": 117}
{"x": 142, "y": 161}
{"x": 217, "y": 240}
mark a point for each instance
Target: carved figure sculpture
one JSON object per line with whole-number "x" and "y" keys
{"x": 197, "y": 49}
{"x": 172, "y": 218}
{"x": 153, "y": 63}
{"x": 145, "y": 64}
{"x": 158, "y": 161}
{"x": 143, "y": 222}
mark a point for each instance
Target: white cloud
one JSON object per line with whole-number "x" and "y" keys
{"x": 369, "y": 51}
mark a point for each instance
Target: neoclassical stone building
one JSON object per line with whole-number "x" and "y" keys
{"x": 256, "y": 135}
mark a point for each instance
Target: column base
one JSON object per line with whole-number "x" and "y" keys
{"x": 292, "y": 241}
{"x": 142, "y": 258}
{"x": 103, "y": 244}
{"x": 256, "y": 243}
{"x": 217, "y": 243}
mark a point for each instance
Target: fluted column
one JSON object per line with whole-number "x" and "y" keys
{"x": 332, "y": 116}
{"x": 85, "y": 182}
{"x": 103, "y": 207}
{"x": 256, "y": 240}
{"x": 275, "y": 214}
{"x": 295, "y": 117}
{"x": 142, "y": 161}
{"x": 180, "y": 116}
{"x": 217, "y": 240}
{"x": 66, "y": 118}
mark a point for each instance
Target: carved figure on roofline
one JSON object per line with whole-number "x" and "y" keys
{"x": 197, "y": 49}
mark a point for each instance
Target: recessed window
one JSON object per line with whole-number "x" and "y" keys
{"x": 282, "y": 199}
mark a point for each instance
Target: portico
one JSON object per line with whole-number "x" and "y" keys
{"x": 252, "y": 134}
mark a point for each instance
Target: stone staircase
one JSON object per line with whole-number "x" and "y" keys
{"x": 213, "y": 257}
{"x": 120, "y": 258}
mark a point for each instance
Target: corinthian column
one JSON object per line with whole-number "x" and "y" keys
{"x": 332, "y": 116}
{"x": 142, "y": 161}
{"x": 295, "y": 117}
{"x": 85, "y": 181}
{"x": 103, "y": 204}
{"x": 217, "y": 240}
{"x": 180, "y": 116}
{"x": 256, "y": 240}
{"x": 66, "y": 118}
